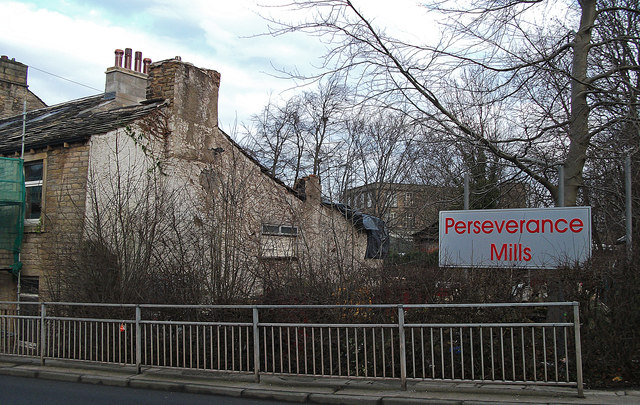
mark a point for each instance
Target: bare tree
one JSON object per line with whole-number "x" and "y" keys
{"x": 274, "y": 129}
{"x": 543, "y": 67}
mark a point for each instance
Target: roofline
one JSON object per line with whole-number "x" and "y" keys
{"x": 72, "y": 139}
{"x": 267, "y": 172}
{"x": 262, "y": 168}
{"x": 36, "y": 96}
{"x": 107, "y": 96}
{"x": 389, "y": 184}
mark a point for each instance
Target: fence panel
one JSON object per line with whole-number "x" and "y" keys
{"x": 411, "y": 342}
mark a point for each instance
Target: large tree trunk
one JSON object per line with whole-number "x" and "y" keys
{"x": 579, "y": 121}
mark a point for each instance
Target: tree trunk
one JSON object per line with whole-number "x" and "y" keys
{"x": 579, "y": 121}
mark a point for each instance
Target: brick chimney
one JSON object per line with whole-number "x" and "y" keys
{"x": 192, "y": 92}
{"x": 130, "y": 85}
{"x": 309, "y": 189}
{"x": 14, "y": 90}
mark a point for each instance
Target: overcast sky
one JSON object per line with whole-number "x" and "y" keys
{"x": 75, "y": 40}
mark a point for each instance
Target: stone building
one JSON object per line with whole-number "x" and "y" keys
{"x": 150, "y": 147}
{"x": 405, "y": 208}
{"x": 411, "y": 210}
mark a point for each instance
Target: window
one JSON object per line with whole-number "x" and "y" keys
{"x": 279, "y": 241}
{"x": 393, "y": 200}
{"x": 408, "y": 199}
{"x": 410, "y": 221}
{"x": 33, "y": 185}
{"x": 282, "y": 230}
{"x": 369, "y": 200}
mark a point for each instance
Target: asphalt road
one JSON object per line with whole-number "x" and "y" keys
{"x": 35, "y": 391}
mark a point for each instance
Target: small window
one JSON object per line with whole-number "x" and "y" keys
{"x": 408, "y": 199}
{"x": 279, "y": 241}
{"x": 33, "y": 185}
{"x": 410, "y": 221}
{"x": 270, "y": 229}
{"x": 369, "y": 200}
{"x": 393, "y": 200}
{"x": 288, "y": 230}
{"x": 281, "y": 230}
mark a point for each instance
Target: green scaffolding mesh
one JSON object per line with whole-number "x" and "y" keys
{"x": 12, "y": 200}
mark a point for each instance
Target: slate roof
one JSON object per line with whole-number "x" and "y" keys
{"x": 69, "y": 122}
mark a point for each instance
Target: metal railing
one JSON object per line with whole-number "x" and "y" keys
{"x": 440, "y": 342}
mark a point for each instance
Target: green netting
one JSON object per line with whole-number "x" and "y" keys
{"x": 12, "y": 199}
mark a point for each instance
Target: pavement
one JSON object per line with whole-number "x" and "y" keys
{"x": 309, "y": 389}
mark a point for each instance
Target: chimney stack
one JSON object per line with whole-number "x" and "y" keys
{"x": 14, "y": 89}
{"x": 308, "y": 188}
{"x": 130, "y": 85}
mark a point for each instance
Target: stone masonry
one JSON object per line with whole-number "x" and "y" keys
{"x": 14, "y": 90}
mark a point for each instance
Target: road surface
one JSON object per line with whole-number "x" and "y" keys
{"x": 36, "y": 391}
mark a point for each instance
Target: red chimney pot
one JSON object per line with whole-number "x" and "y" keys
{"x": 147, "y": 63}
{"x": 118, "y": 62}
{"x": 138, "y": 62}
{"x": 127, "y": 58}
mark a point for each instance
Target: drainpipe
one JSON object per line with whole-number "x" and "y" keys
{"x": 24, "y": 130}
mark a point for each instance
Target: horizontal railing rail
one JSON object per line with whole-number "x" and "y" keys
{"x": 510, "y": 343}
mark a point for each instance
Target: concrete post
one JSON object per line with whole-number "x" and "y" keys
{"x": 576, "y": 333}
{"x": 403, "y": 349}
{"x": 43, "y": 332}
{"x": 256, "y": 346}
{"x": 138, "y": 340}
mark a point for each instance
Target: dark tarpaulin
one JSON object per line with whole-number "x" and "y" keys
{"x": 377, "y": 236}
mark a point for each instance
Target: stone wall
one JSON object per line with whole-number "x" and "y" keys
{"x": 14, "y": 90}
{"x": 64, "y": 189}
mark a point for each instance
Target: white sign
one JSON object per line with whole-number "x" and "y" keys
{"x": 536, "y": 238}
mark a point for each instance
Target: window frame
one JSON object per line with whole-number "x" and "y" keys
{"x": 280, "y": 231}
{"x": 279, "y": 241}
{"x": 410, "y": 220}
{"x": 408, "y": 199}
{"x": 393, "y": 199}
{"x": 36, "y": 223}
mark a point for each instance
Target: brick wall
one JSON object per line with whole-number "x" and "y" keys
{"x": 162, "y": 80}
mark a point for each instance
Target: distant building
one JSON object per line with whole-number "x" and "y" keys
{"x": 411, "y": 210}
{"x": 406, "y": 208}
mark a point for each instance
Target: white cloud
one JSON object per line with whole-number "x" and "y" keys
{"x": 77, "y": 43}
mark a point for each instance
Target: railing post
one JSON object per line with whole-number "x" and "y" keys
{"x": 576, "y": 333}
{"x": 138, "y": 340}
{"x": 43, "y": 332}
{"x": 403, "y": 351}
{"x": 256, "y": 345}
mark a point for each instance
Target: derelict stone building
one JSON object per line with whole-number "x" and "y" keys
{"x": 152, "y": 140}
